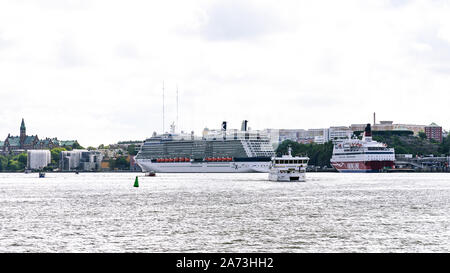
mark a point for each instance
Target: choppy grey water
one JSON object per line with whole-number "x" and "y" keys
{"x": 331, "y": 212}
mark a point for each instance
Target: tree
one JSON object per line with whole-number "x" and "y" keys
{"x": 122, "y": 163}
{"x": 319, "y": 154}
{"x": 22, "y": 158}
{"x": 132, "y": 149}
{"x": 76, "y": 145}
{"x": 3, "y": 163}
{"x": 14, "y": 165}
{"x": 56, "y": 155}
{"x": 444, "y": 147}
{"x": 422, "y": 135}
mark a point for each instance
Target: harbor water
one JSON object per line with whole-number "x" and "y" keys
{"x": 331, "y": 212}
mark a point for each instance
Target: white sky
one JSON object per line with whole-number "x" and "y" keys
{"x": 93, "y": 70}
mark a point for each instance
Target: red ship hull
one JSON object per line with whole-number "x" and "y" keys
{"x": 362, "y": 166}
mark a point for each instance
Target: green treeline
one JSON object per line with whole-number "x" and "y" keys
{"x": 17, "y": 163}
{"x": 13, "y": 163}
{"x": 319, "y": 154}
{"x": 416, "y": 145}
{"x": 119, "y": 163}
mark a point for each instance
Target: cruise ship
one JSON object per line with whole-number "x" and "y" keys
{"x": 219, "y": 151}
{"x": 366, "y": 155}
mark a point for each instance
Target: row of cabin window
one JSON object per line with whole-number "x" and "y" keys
{"x": 291, "y": 161}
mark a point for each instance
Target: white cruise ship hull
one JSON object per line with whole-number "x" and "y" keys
{"x": 204, "y": 167}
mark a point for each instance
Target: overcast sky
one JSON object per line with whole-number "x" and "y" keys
{"x": 93, "y": 70}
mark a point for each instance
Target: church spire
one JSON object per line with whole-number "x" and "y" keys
{"x": 22, "y": 126}
{"x": 23, "y": 134}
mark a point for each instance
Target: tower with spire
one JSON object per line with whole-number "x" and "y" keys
{"x": 23, "y": 133}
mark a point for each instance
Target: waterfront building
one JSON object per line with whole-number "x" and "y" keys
{"x": 386, "y": 125}
{"x": 274, "y": 136}
{"x": 24, "y": 142}
{"x": 416, "y": 129}
{"x": 83, "y": 160}
{"x": 358, "y": 127}
{"x": 434, "y": 131}
{"x": 125, "y": 144}
{"x": 338, "y": 133}
{"x": 113, "y": 152}
{"x": 38, "y": 159}
{"x": 391, "y": 126}
{"x": 383, "y": 126}
{"x": 318, "y": 140}
{"x": 104, "y": 165}
{"x": 318, "y": 136}
{"x": 19, "y": 143}
{"x": 277, "y": 136}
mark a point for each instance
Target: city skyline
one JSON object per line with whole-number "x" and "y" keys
{"x": 94, "y": 70}
{"x": 378, "y": 125}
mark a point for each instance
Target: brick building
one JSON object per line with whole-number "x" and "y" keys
{"x": 23, "y": 142}
{"x": 434, "y": 131}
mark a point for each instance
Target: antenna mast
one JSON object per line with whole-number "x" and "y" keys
{"x": 177, "y": 108}
{"x": 163, "y": 108}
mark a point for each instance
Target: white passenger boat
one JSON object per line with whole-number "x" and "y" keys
{"x": 288, "y": 168}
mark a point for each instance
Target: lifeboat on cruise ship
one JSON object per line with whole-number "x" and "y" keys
{"x": 187, "y": 159}
{"x": 158, "y": 160}
{"x": 176, "y": 159}
{"x": 214, "y": 159}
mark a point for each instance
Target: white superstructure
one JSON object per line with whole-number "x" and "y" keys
{"x": 288, "y": 168}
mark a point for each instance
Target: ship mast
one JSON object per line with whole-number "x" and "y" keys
{"x": 177, "y": 109}
{"x": 163, "y": 108}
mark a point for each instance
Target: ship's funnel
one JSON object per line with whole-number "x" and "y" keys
{"x": 224, "y": 126}
{"x": 244, "y": 125}
{"x": 368, "y": 131}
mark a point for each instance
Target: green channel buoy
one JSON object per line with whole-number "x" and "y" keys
{"x": 136, "y": 182}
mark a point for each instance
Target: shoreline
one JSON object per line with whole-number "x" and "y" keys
{"x": 311, "y": 171}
